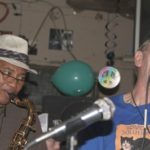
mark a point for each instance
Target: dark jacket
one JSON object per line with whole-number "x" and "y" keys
{"x": 10, "y": 121}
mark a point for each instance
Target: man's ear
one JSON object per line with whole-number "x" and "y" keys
{"x": 138, "y": 58}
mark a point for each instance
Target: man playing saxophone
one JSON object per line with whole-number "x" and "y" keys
{"x": 14, "y": 131}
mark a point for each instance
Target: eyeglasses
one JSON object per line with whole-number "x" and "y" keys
{"x": 8, "y": 74}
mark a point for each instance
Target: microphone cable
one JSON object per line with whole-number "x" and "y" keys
{"x": 145, "y": 113}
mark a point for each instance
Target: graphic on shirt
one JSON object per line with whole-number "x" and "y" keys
{"x": 130, "y": 137}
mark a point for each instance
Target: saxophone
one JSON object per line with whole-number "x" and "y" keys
{"x": 20, "y": 137}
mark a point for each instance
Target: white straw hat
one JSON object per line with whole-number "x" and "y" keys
{"x": 14, "y": 50}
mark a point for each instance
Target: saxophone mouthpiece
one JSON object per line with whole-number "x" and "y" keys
{"x": 12, "y": 97}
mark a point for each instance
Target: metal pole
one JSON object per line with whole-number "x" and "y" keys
{"x": 137, "y": 25}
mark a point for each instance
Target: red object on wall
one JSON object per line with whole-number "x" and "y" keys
{"x": 5, "y": 13}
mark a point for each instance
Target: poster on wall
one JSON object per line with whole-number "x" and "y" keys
{"x": 60, "y": 39}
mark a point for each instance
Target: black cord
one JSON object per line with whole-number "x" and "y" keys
{"x": 146, "y": 102}
{"x": 138, "y": 110}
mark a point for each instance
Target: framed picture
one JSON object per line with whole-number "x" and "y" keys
{"x": 60, "y": 39}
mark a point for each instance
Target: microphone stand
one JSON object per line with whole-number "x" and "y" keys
{"x": 102, "y": 109}
{"x": 71, "y": 142}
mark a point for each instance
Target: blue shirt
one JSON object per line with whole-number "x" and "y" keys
{"x": 125, "y": 129}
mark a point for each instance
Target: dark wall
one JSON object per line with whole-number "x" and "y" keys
{"x": 39, "y": 85}
{"x": 145, "y": 20}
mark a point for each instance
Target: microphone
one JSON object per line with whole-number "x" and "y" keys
{"x": 102, "y": 110}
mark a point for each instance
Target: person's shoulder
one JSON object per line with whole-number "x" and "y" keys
{"x": 121, "y": 98}
{"x": 17, "y": 110}
{"x": 117, "y": 96}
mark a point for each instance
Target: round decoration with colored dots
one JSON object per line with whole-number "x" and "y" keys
{"x": 109, "y": 77}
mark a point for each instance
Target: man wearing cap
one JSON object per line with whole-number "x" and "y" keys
{"x": 13, "y": 69}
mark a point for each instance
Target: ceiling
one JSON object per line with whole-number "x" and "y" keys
{"x": 125, "y": 8}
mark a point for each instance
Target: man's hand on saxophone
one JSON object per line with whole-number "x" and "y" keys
{"x": 52, "y": 144}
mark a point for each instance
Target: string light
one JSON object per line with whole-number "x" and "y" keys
{"x": 110, "y": 44}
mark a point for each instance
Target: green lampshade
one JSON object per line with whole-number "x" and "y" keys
{"x": 74, "y": 78}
